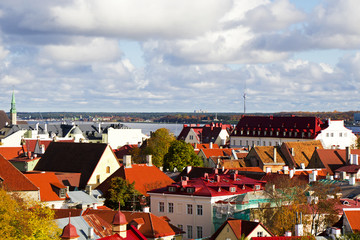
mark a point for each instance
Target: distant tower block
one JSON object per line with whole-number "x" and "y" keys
{"x": 13, "y": 110}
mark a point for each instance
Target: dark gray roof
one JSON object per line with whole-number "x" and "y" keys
{"x": 3, "y": 119}
{"x": 72, "y": 157}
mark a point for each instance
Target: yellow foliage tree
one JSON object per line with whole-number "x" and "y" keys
{"x": 24, "y": 220}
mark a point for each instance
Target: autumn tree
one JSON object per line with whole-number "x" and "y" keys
{"x": 158, "y": 145}
{"x": 180, "y": 155}
{"x": 25, "y": 220}
{"x": 123, "y": 192}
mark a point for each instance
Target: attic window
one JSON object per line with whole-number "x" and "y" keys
{"x": 172, "y": 189}
{"x": 190, "y": 190}
{"x": 232, "y": 189}
{"x": 257, "y": 187}
{"x": 62, "y": 193}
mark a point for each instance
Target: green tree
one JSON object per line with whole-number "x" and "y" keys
{"x": 180, "y": 155}
{"x": 158, "y": 145}
{"x": 121, "y": 191}
{"x": 25, "y": 220}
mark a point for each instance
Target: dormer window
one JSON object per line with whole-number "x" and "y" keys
{"x": 62, "y": 193}
{"x": 190, "y": 190}
{"x": 232, "y": 189}
{"x": 172, "y": 189}
{"x": 257, "y": 187}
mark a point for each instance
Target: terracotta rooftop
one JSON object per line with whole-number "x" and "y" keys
{"x": 300, "y": 152}
{"x": 124, "y": 150}
{"x": 47, "y": 183}
{"x": 266, "y": 154}
{"x": 13, "y": 179}
{"x": 219, "y": 152}
{"x": 145, "y": 177}
{"x": 153, "y": 227}
{"x": 353, "y": 216}
{"x": 349, "y": 169}
{"x": 10, "y": 152}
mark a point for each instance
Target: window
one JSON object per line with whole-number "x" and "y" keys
{"x": 340, "y": 134}
{"x": 259, "y": 234}
{"x": 191, "y": 137}
{"x": 252, "y": 143}
{"x": 264, "y": 143}
{"x": 97, "y": 178}
{"x": 172, "y": 189}
{"x": 327, "y": 134}
{"x": 161, "y": 207}
{"x": 240, "y": 143}
{"x": 257, "y": 187}
{"x": 258, "y": 143}
{"x": 189, "y": 231}
{"x": 107, "y": 169}
{"x": 181, "y": 226}
{"x": 199, "y": 232}
{"x": 269, "y": 143}
{"x": 247, "y": 142}
{"x": 234, "y": 142}
{"x": 62, "y": 192}
{"x": 189, "y": 209}
{"x": 171, "y": 207}
{"x": 190, "y": 190}
{"x": 332, "y": 134}
{"x": 232, "y": 189}
{"x": 199, "y": 210}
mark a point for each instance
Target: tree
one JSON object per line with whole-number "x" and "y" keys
{"x": 121, "y": 191}
{"x": 157, "y": 145}
{"x": 25, "y": 220}
{"x": 180, "y": 155}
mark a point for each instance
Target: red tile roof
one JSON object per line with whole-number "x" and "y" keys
{"x": 14, "y": 180}
{"x": 255, "y": 126}
{"x": 331, "y": 159}
{"x": 64, "y": 213}
{"x": 200, "y": 146}
{"x": 10, "y": 152}
{"x": 349, "y": 169}
{"x": 100, "y": 226}
{"x": 31, "y": 143}
{"x": 46, "y": 182}
{"x": 212, "y": 185}
{"x": 153, "y": 227}
{"x": 353, "y": 217}
{"x": 145, "y": 177}
{"x": 218, "y": 152}
{"x": 124, "y": 150}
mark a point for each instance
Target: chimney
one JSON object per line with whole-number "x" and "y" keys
{"x": 127, "y": 161}
{"x": 299, "y": 226}
{"x": 99, "y": 127}
{"x": 146, "y": 209}
{"x": 288, "y": 234}
{"x": 210, "y": 145}
{"x": 312, "y": 176}
{"x": 218, "y": 178}
{"x": 234, "y": 154}
{"x": 90, "y": 233}
{"x": 274, "y": 154}
{"x": 195, "y": 146}
{"x": 291, "y": 173}
{"x": 292, "y": 152}
{"x": 268, "y": 170}
{"x": 286, "y": 169}
{"x": 347, "y": 151}
{"x": 302, "y": 165}
{"x": 88, "y": 189}
{"x": 149, "y": 160}
{"x": 94, "y": 205}
{"x": 206, "y": 175}
{"x": 45, "y": 128}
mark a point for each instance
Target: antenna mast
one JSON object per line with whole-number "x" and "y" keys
{"x": 244, "y": 96}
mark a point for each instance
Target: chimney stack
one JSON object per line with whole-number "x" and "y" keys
{"x": 149, "y": 160}
{"x": 275, "y": 154}
{"x": 127, "y": 161}
{"x": 347, "y": 150}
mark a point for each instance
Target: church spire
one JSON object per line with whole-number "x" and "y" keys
{"x": 13, "y": 110}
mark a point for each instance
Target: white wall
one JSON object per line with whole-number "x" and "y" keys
{"x": 13, "y": 140}
{"x": 337, "y": 136}
{"x": 243, "y": 141}
{"x": 120, "y": 137}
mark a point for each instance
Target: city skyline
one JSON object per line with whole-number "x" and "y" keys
{"x": 180, "y": 56}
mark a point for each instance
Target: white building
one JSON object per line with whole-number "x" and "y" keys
{"x": 337, "y": 136}
{"x": 189, "y": 203}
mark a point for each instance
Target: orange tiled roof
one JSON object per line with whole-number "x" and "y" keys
{"x": 46, "y": 181}
{"x": 145, "y": 177}
{"x": 266, "y": 154}
{"x": 153, "y": 227}
{"x": 14, "y": 180}
{"x": 353, "y": 217}
{"x": 209, "y": 152}
{"x": 10, "y": 152}
{"x": 204, "y": 146}
{"x": 302, "y": 151}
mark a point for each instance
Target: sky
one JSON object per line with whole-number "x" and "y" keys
{"x": 180, "y": 56}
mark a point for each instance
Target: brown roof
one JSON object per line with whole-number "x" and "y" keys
{"x": 63, "y": 213}
{"x": 153, "y": 227}
{"x": 3, "y": 119}
{"x": 72, "y": 157}
{"x": 266, "y": 154}
{"x": 145, "y": 177}
{"x": 300, "y": 152}
{"x": 217, "y": 152}
{"x": 331, "y": 159}
{"x": 101, "y": 227}
{"x": 13, "y": 179}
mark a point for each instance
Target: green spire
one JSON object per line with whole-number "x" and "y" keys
{"x": 13, "y": 108}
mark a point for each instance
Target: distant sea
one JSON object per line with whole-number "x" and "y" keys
{"x": 146, "y": 128}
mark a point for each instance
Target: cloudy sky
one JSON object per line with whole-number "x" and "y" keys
{"x": 171, "y": 55}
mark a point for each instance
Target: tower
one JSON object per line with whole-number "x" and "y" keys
{"x": 13, "y": 110}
